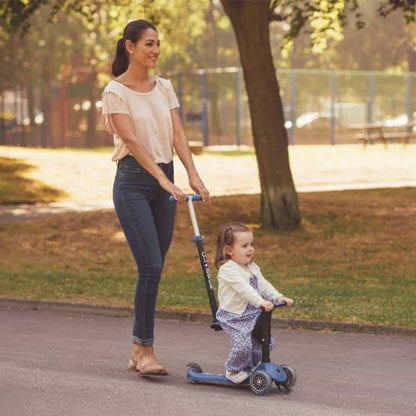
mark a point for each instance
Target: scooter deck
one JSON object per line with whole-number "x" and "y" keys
{"x": 274, "y": 370}
{"x": 193, "y": 375}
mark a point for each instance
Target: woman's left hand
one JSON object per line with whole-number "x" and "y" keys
{"x": 198, "y": 186}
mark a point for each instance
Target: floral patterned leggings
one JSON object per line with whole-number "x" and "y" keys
{"x": 245, "y": 351}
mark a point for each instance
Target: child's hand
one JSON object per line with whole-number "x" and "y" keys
{"x": 289, "y": 302}
{"x": 267, "y": 306}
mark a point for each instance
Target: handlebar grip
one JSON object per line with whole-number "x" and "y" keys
{"x": 280, "y": 304}
{"x": 195, "y": 197}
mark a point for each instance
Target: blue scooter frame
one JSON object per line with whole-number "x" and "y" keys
{"x": 263, "y": 376}
{"x": 266, "y": 372}
{"x": 198, "y": 239}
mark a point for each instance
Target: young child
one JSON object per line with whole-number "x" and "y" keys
{"x": 242, "y": 292}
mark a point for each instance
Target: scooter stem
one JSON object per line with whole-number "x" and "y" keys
{"x": 193, "y": 217}
{"x": 202, "y": 257}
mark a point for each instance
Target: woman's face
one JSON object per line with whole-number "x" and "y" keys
{"x": 146, "y": 50}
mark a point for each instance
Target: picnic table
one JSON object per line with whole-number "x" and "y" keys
{"x": 380, "y": 131}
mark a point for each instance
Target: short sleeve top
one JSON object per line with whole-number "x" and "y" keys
{"x": 149, "y": 113}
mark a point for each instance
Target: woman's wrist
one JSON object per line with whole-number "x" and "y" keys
{"x": 161, "y": 176}
{"x": 192, "y": 173}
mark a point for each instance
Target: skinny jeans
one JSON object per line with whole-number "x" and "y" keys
{"x": 147, "y": 219}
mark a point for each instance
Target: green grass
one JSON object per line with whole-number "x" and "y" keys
{"x": 353, "y": 259}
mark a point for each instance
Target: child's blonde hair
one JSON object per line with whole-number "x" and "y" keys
{"x": 226, "y": 238}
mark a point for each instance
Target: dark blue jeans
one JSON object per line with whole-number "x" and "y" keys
{"x": 147, "y": 219}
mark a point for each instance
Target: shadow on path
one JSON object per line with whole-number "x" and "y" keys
{"x": 15, "y": 188}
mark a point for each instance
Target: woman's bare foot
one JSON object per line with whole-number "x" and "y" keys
{"x": 144, "y": 361}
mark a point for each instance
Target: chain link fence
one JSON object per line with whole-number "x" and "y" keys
{"x": 321, "y": 107}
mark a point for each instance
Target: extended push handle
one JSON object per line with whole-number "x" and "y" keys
{"x": 194, "y": 197}
{"x": 189, "y": 200}
{"x": 202, "y": 257}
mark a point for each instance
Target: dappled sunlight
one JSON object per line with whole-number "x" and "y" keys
{"x": 87, "y": 175}
{"x": 18, "y": 186}
{"x": 118, "y": 237}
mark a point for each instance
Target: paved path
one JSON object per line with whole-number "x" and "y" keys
{"x": 62, "y": 364}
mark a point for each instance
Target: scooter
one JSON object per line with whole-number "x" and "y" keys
{"x": 262, "y": 377}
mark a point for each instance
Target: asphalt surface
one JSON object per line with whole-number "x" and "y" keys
{"x": 54, "y": 363}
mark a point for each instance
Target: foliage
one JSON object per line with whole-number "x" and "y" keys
{"x": 83, "y": 35}
{"x": 202, "y": 39}
{"x": 342, "y": 46}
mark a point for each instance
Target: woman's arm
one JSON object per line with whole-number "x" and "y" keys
{"x": 180, "y": 143}
{"x": 125, "y": 131}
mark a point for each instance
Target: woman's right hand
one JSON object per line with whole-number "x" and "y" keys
{"x": 175, "y": 191}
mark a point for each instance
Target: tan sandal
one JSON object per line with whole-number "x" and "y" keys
{"x": 132, "y": 365}
{"x": 149, "y": 370}
{"x": 146, "y": 370}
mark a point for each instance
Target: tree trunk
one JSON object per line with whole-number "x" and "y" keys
{"x": 211, "y": 51}
{"x": 45, "y": 105}
{"x": 92, "y": 112}
{"x": 30, "y": 103}
{"x": 279, "y": 200}
{"x": 411, "y": 58}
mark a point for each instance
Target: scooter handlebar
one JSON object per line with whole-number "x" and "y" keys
{"x": 277, "y": 305}
{"x": 194, "y": 197}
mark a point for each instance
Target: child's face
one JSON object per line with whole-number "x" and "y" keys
{"x": 242, "y": 251}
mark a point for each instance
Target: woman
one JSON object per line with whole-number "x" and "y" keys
{"x": 141, "y": 112}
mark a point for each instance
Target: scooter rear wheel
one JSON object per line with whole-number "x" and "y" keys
{"x": 196, "y": 368}
{"x": 260, "y": 382}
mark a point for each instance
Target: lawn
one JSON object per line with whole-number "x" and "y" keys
{"x": 353, "y": 260}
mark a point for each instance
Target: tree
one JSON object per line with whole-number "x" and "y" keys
{"x": 250, "y": 21}
{"x": 82, "y": 42}
{"x": 279, "y": 200}
{"x": 370, "y": 48}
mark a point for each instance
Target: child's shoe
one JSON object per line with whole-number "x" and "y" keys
{"x": 237, "y": 378}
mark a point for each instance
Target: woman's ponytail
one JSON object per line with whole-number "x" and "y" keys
{"x": 132, "y": 32}
{"x": 121, "y": 60}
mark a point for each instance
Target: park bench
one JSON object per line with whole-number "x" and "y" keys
{"x": 196, "y": 146}
{"x": 380, "y": 132}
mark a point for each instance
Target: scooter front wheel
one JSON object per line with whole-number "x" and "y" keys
{"x": 260, "y": 382}
{"x": 291, "y": 378}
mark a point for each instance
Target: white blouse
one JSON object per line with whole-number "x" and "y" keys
{"x": 149, "y": 113}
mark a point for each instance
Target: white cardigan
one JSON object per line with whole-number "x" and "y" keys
{"x": 234, "y": 290}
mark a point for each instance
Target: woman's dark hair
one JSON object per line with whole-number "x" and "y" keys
{"x": 133, "y": 31}
{"x": 226, "y": 238}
